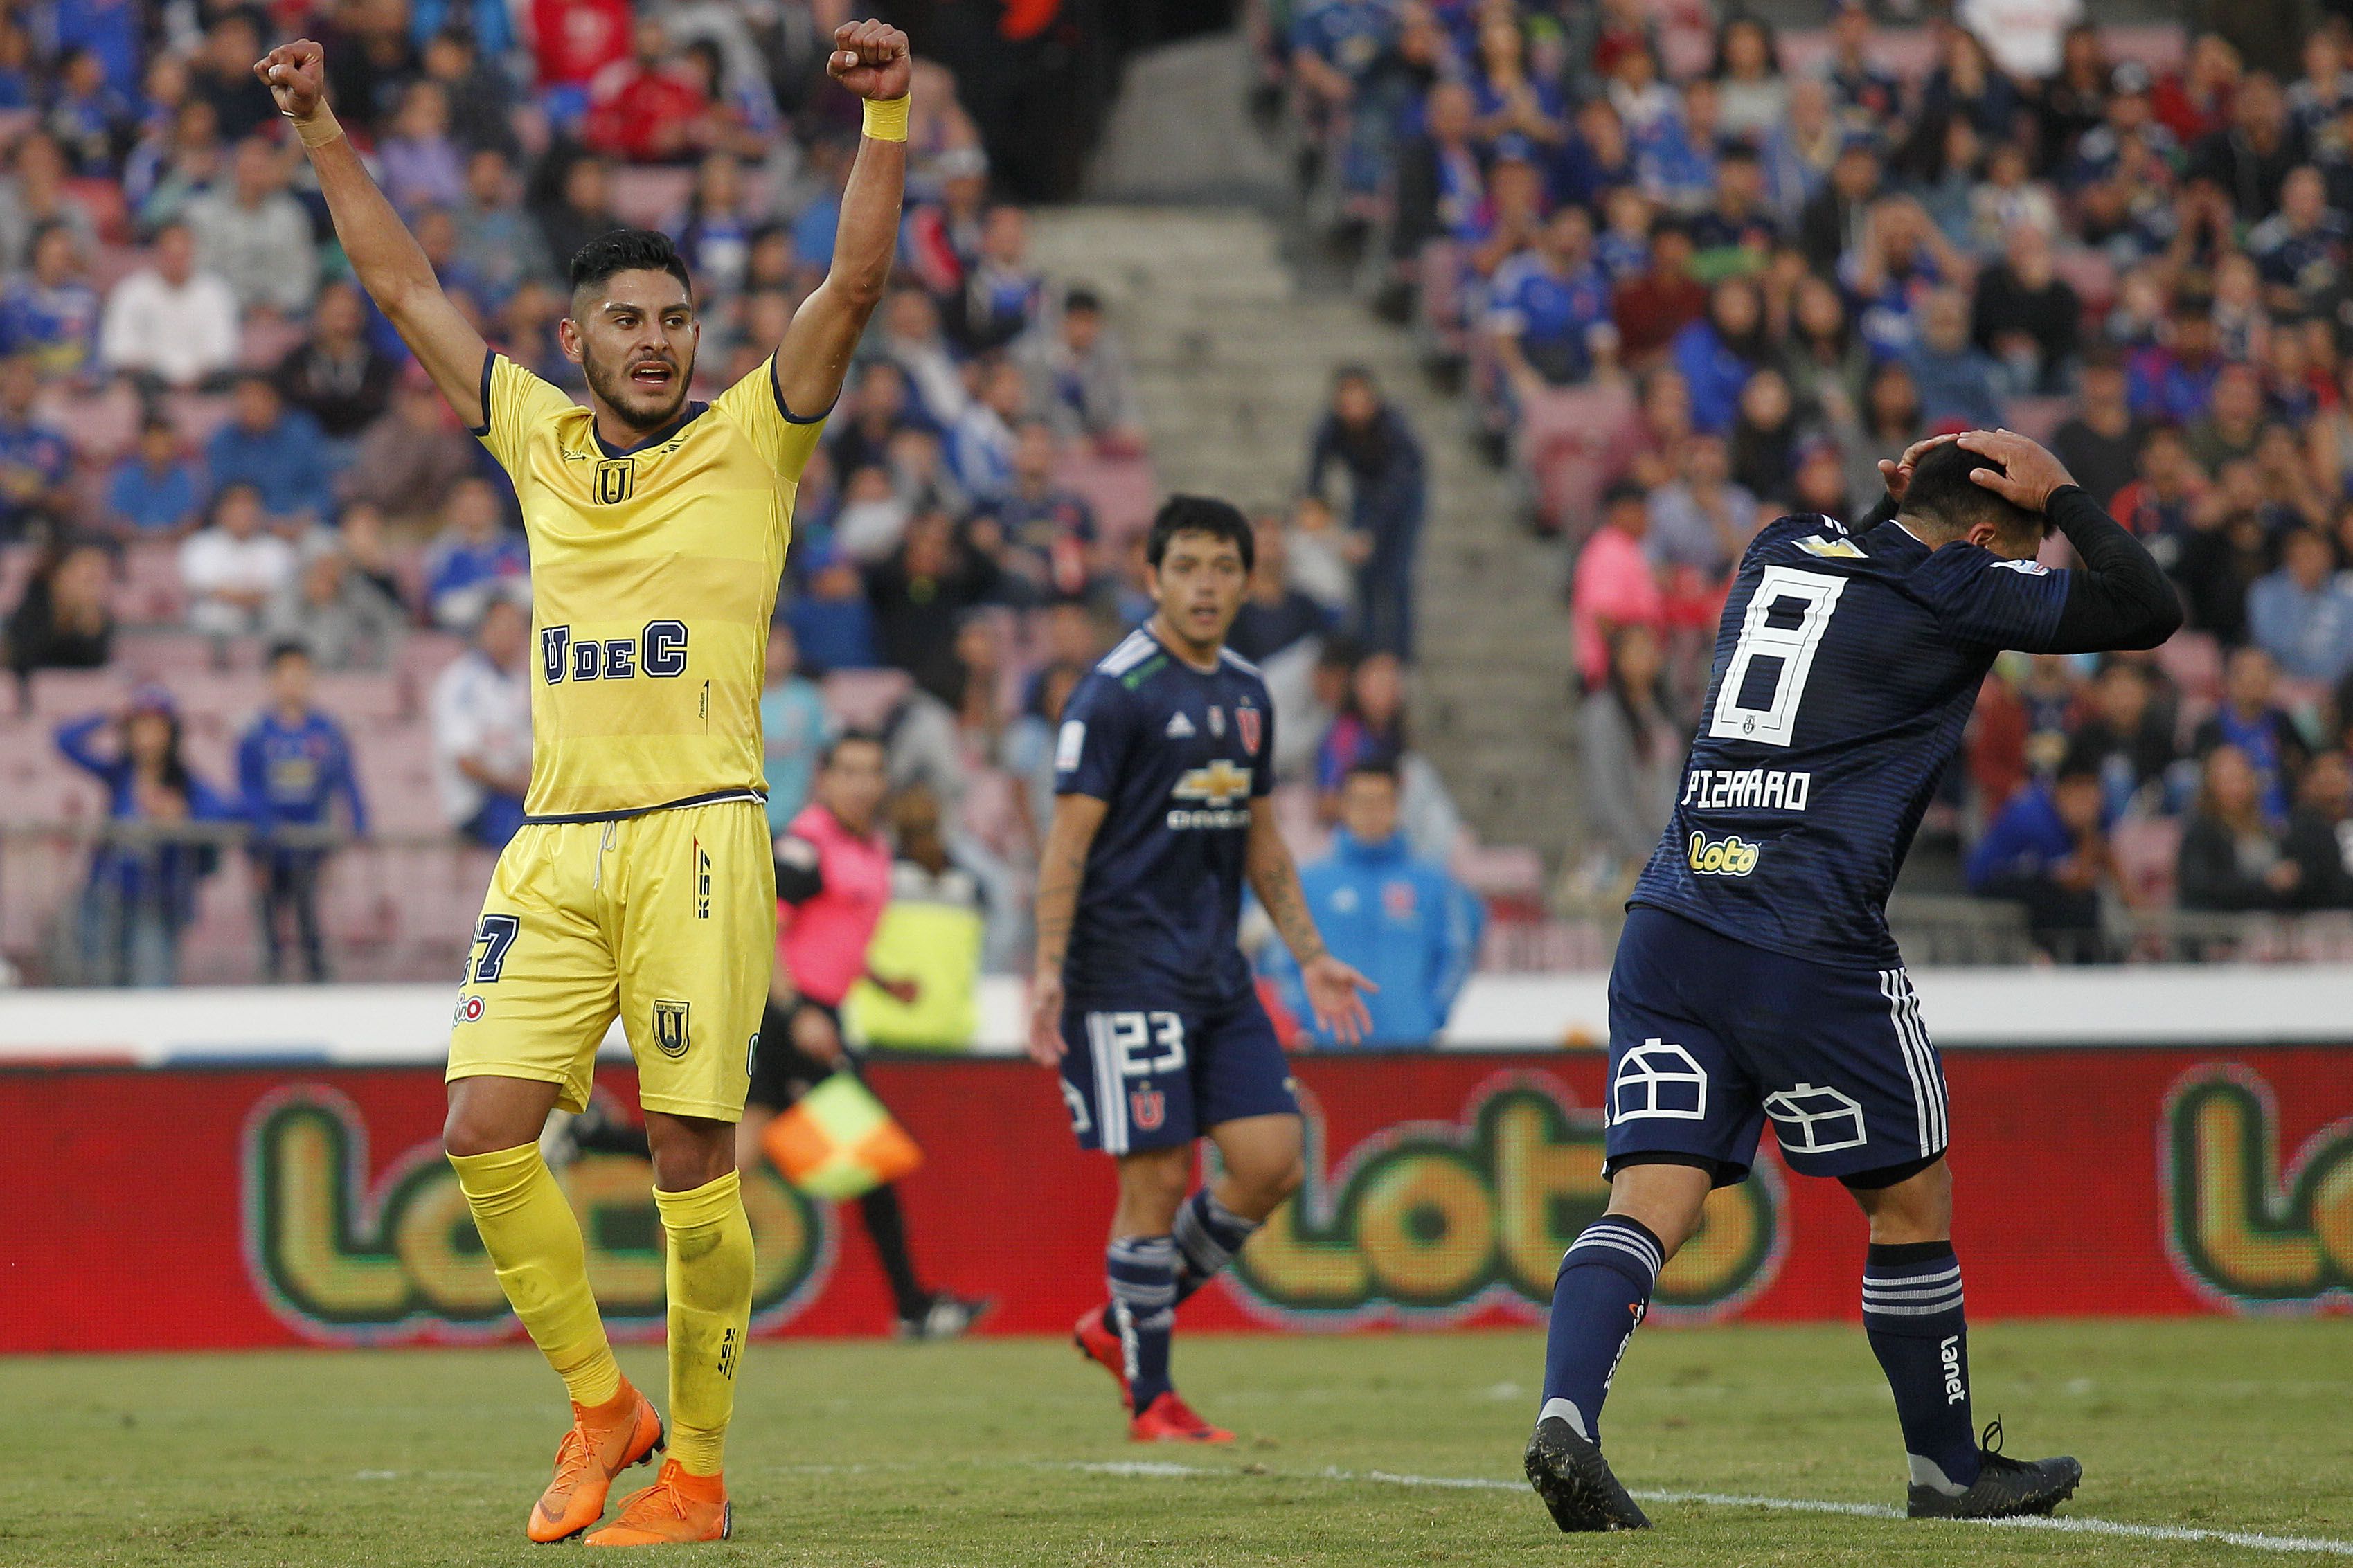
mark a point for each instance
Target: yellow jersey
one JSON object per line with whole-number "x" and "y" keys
{"x": 653, "y": 574}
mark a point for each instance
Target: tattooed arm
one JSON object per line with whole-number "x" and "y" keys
{"x": 1062, "y": 871}
{"x": 1334, "y": 989}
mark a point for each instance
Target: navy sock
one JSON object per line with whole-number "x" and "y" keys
{"x": 1598, "y": 1301}
{"x": 1208, "y": 1234}
{"x": 1912, "y": 1311}
{"x": 1141, "y": 1273}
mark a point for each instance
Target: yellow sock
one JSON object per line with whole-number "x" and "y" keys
{"x": 534, "y": 1241}
{"x": 710, "y": 1281}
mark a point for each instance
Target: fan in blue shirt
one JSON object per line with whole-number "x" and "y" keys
{"x": 292, "y": 766}
{"x": 280, "y": 451}
{"x": 155, "y": 490}
{"x": 1406, "y": 923}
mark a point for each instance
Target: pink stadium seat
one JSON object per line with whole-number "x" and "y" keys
{"x": 1294, "y": 815}
{"x": 2146, "y": 849}
{"x": 2193, "y": 661}
{"x": 264, "y": 340}
{"x": 862, "y": 699}
{"x": 163, "y": 654}
{"x": 2092, "y": 275}
{"x": 2036, "y": 417}
{"x": 100, "y": 425}
{"x": 651, "y": 198}
{"x": 196, "y": 414}
{"x": 68, "y": 693}
{"x": 1503, "y": 871}
{"x": 102, "y": 199}
{"x": 1121, "y": 489}
{"x": 16, "y": 563}
{"x": 361, "y": 697}
{"x": 1568, "y": 437}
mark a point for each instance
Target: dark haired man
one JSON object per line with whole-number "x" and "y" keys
{"x": 1140, "y": 995}
{"x": 641, "y": 882}
{"x": 1756, "y": 979}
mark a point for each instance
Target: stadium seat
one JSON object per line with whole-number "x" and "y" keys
{"x": 2193, "y": 661}
{"x": 196, "y": 414}
{"x": 2036, "y": 417}
{"x": 2146, "y": 849}
{"x": 68, "y": 693}
{"x": 101, "y": 426}
{"x": 862, "y": 699}
{"x": 1122, "y": 491}
{"x": 649, "y": 197}
{"x": 1569, "y": 438}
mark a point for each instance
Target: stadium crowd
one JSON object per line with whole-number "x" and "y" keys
{"x": 1694, "y": 275}
{"x": 261, "y": 587}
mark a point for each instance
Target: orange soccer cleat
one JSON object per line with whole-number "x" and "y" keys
{"x": 1098, "y": 1344}
{"x": 603, "y": 1442}
{"x": 679, "y": 1507}
{"x": 1170, "y": 1419}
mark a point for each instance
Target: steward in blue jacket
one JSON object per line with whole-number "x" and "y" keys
{"x": 1406, "y": 923}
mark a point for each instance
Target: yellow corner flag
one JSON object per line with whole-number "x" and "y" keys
{"x": 838, "y": 1140}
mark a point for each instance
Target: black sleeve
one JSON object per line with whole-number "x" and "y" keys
{"x": 2120, "y": 598}
{"x": 1884, "y": 513}
{"x": 799, "y": 877}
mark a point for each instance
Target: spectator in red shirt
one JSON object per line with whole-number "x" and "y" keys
{"x": 1654, "y": 305}
{"x": 648, "y": 109}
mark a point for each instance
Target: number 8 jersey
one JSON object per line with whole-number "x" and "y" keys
{"x": 1846, "y": 665}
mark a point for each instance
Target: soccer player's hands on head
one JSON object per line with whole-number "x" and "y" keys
{"x": 296, "y": 74}
{"x": 1046, "y": 1017}
{"x": 1896, "y": 475}
{"x": 2033, "y": 473}
{"x": 1335, "y": 993}
{"x": 871, "y": 59}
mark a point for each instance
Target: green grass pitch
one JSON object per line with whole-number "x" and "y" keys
{"x": 1011, "y": 1452}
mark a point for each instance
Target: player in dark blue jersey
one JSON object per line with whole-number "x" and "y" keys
{"x": 1755, "y": 980}
{"x": 1161, "y": 768}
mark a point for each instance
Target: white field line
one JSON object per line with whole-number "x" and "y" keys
{"x": 2072, "y": 1524}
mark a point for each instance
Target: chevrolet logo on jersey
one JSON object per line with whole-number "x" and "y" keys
{"x": 1217, "y": 787}
{"x": 1731, "y": 856}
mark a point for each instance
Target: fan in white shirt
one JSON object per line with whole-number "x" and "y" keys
{"x": 170, "y": 321}
{"x": 233, "y": 569}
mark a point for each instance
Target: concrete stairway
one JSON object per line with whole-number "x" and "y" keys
{"x": 1233, "y": 362}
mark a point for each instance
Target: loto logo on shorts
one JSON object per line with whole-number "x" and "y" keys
{"x": 669, "y": 1028}
{"x": 470, "y": 1009}
{"x": 1731, "y": 856}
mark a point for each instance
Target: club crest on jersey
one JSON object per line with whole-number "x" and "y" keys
{"x": 617, "y": 478}
{"x": 1731, "y": 856}
{"x": 1179, "y": 727}
{"x": 1147, "y": 1109}
{"x": 669, "y": 1028}
{"x": 1246, "y": 725}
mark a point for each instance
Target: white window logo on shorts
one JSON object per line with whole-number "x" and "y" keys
{"x": 1813, "y": 1119}
{"x": 1659, "y": 1078}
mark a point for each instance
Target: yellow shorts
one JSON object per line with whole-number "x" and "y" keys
{"x": 668, "y": 920}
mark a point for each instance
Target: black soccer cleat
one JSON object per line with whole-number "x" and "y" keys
{"x": 2005, "y": 1488}
{"x": 1575, "y": 1482}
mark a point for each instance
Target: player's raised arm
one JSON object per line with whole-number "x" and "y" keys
{"x": 2120, "y": 598}
{"x": 871, "y": 60}
{"x": 390, "y": 265}
{"x": 1062, "y": 872}
{"x": 1334, "y": 991}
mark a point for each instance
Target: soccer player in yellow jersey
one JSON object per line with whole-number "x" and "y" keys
{"x": 642, "y": 883}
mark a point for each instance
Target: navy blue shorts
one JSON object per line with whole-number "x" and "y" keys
{"x": 1142, "y": 1077}
{"x": 1709, "y": 1037}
